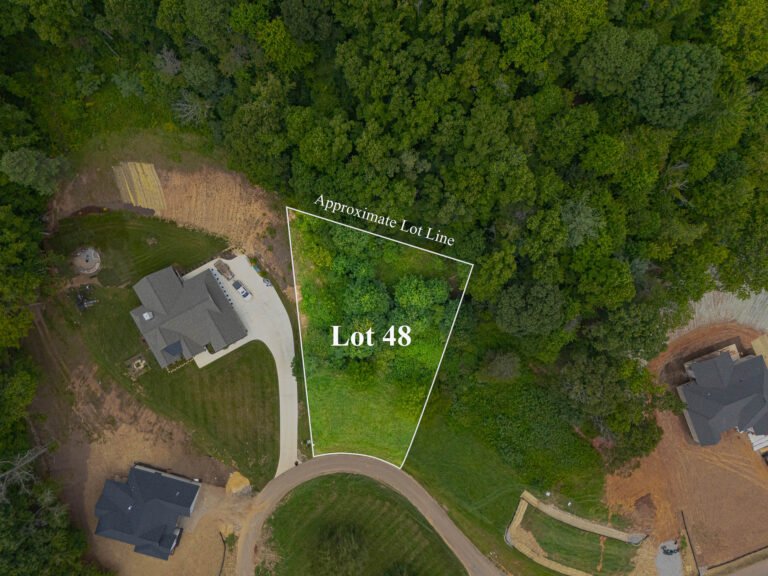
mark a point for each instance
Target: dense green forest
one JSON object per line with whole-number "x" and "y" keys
{"x": 602, "y": 161}
{"x": 35, "y": 532}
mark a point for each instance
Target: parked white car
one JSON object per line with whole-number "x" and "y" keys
{"x": 242, "y": 290}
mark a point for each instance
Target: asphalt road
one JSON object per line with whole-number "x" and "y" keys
{"x": 474, "y": 561}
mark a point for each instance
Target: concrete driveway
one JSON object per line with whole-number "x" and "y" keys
{"x": 265, "y": 319}
{"x": 669, "y": 565}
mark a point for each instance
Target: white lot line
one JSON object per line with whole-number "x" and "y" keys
{"x": 440, "y": 363}
{"x": 266, "y": 319}
{"x": 298, "y": 323}
{"x": 301, "y": 343}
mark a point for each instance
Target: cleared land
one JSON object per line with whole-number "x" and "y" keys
{"x": 231, "y": 406}
{"x": 99, "y": 431}
{"x": 481, "y": 490}
{"x": 367, "y": 399}
{"x": 573, "y": 547}
{"x": 224, "y": 203}
{"x": 196, "y": 192}
{"x": 722, "y": 489}
{"x": 378, "y": 532}
{"x": 139, "y": 185}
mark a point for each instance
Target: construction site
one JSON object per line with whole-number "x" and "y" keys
{"x": 714, "y": 496}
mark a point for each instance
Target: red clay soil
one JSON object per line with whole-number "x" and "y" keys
{"x": 668, "y": 366}
{"x": 722, "y": 489}
{"x": 98, "y": 432}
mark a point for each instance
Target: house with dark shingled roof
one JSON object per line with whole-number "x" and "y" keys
{"x": 726, "y": 393}
{"x": 180, "y": 318}
{"x": 144, "y": 511}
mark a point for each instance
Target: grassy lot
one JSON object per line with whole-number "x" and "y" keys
{"x": 230, "y": 407}
{"x": 391, "y": 537}
{"x": 132, "y": 246}
{"x": 369, "y": 402}
{"x": 481, "y": 490}
{"x": 579, "y": 549}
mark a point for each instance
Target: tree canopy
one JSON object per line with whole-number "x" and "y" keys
{"x": 602, "y": 163}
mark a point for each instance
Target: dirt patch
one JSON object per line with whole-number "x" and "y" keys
{"x": 224, "y": 203}
{"x": 668, "y": 366}
{"x": 722, "y": 489}
{"x": 99, "y": 431}
{"x": 525, "y": 537}
{"x": 198, "y": 194}
{"x": 644, "y": 562}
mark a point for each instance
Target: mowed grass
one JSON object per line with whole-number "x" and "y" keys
{"x": 133, "y": 246}
{"x": 394, "y": 535}
{"x": 230, "y": 407}
{"x": 578, "y": 549}
{"x": 368, "y": 416}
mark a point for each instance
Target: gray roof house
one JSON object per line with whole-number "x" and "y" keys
{"x": 726, "y": 394}
{"x": 144, "y": 511}
{"x": 179, "y": 318}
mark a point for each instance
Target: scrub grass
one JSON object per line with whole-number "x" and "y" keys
{"x": 577, "y": 548}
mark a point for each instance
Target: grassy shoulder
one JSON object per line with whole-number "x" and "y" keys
{"x": 345, "y": 525}
{"x": 230, "y": 407}
{"x": 578, "y": 549}
{"x": 480, "y": 484}
{"x": 368, "y": 398}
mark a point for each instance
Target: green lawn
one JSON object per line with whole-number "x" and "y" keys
{"x": 369, "y": 403}
{"x": 231, "y": 406}
{"x": 481, "y": 490}
{"x": 391, "y": 537}
{"x": 133, "y": 246}
{"x": 579, "y": 549}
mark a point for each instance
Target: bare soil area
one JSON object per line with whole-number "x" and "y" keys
{"x": 98, "y": 433}
{"x": 668, "y": 366}
{"x": 722, "y": 490}
{"x": 197, "y": 193}
{"x": 225, "y": 204}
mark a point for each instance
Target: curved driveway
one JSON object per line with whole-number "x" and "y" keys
{"x": 265, "y": 319}
{"x": 268, "y": 499}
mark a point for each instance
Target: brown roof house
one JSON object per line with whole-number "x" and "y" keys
{"x": 180, "y": 318}
{"x": 725, "y": 393}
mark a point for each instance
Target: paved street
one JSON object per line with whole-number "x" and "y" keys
{"x": 474, "y": 561}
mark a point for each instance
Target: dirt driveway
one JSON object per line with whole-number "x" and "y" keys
{"x": 722, "y": 490}
{"x": 99, "y": 432}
